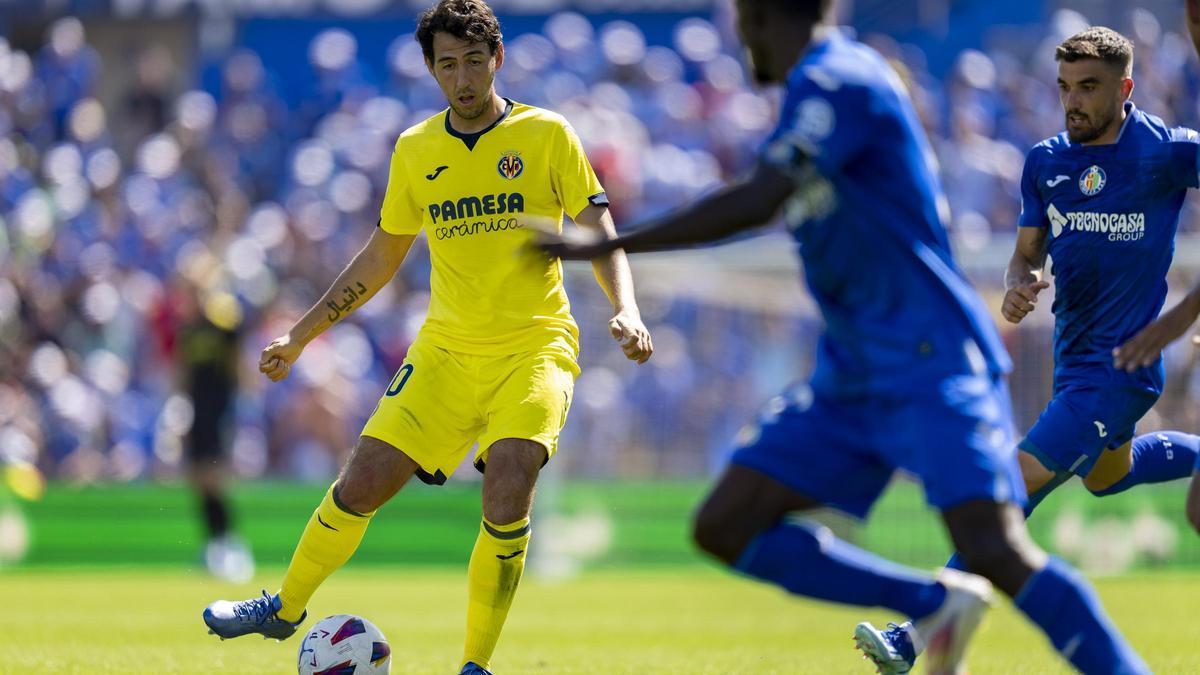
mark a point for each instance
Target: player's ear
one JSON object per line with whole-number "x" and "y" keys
{"x": 1126, "y": 88}
{"x": 429, "y": 66}
{"x": 499, "y": 55}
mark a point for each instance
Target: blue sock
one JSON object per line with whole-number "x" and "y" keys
{"x": 1157, "y": 458}
{"x": 1065, "y": 607}
{"x": 808, "y": 560}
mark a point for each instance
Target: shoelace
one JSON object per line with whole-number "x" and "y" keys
{"x": 259, "y": 609}
{"x": 895, "y": 635}
{"x": 899, "y": 640}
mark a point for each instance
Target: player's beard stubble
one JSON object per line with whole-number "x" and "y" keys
{"x": 1086, "y": 130}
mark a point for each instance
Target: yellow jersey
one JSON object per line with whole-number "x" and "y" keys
{"x": 473, "y": 194}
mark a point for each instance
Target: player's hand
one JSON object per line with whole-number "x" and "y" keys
{"x": 1020, "y": 300}
{"x": 1143, "y": 349}
{"x": 629, "y": 331}
{"x": 578, "y": 244}
{"x": 277, "y": 359}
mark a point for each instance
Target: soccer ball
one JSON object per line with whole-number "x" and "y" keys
{"x": 344, "y": 644}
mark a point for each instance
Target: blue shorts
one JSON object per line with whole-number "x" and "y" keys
{"x": 1089, "y": 414}
{"x": 955, "y": 436}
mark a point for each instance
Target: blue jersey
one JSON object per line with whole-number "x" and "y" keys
{"x": 869, "y": 218}
{"x": 1112, "y": 212}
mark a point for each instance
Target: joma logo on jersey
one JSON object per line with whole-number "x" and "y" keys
{"x": 510, "y": 165}
{"x": 472, "y": 207}
{"x": 1116, "y": 226}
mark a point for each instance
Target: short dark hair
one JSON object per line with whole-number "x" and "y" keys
{"x": 1098, "y": 42}
{"x": 470, "y": 20}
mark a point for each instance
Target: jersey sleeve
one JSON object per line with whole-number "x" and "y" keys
{"x": 1185, "y": 157}
{"x": 400, "y": 213}
{"x": 1033, "y": 210}
{"x": 828, "y": 124}
{"x": 571, "y": 173}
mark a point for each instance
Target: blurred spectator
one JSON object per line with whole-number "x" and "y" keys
{"x": 147, "y": 104}
{"x": 68, "y": 68}
{"x": 204, "y": 335}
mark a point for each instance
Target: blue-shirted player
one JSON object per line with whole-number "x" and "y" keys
{"x": 1103, "y": 200}
{"x": 1144, "y": 349}
{"x": 910, "y": 370}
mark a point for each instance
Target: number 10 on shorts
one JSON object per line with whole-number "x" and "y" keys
{"x": 399, "y": 380}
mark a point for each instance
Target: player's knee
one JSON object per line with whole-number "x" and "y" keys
{"x": 510, "y": 510}
{"x": 507, "y": 499}
{"x": 989, "y": 555}
{"x": 358, "y": 491}
{"x": 719, "y": 536}
{"x": 996, "y": 545}
{"x": 357, "y": 496}
{"x": 1099, "y": 485}
{"x": 709, "y": 538}
{"x": 993, "y": 542}
{"x": 374, "y": 472}
{"x": 509, "y": 480}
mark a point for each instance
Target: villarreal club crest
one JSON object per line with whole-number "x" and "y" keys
{"x": 510, "y": 165}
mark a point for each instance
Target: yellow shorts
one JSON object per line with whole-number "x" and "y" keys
{"x": 441, "y": 402}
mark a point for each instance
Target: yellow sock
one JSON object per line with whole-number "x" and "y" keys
{"x": 492, "y": 577}
{"x": 329, "y": 539}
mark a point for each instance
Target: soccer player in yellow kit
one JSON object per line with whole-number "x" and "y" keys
{"x": 495, "y": 361}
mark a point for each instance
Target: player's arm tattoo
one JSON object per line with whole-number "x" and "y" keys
{"x": 350, "y": 295}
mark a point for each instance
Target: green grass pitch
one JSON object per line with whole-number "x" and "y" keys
{"x": 654, "y": 621}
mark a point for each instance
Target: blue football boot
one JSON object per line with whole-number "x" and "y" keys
{"x": 940, "y": 639}
{"x": 257, "y": 615}
{"x": 471, "y": 668}
{"x": 890, "y": 650}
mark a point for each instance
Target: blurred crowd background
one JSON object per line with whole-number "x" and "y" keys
{"x": 165, "y": 166}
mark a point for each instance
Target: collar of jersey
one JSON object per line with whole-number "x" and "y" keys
{"x": 472, "y": 138}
